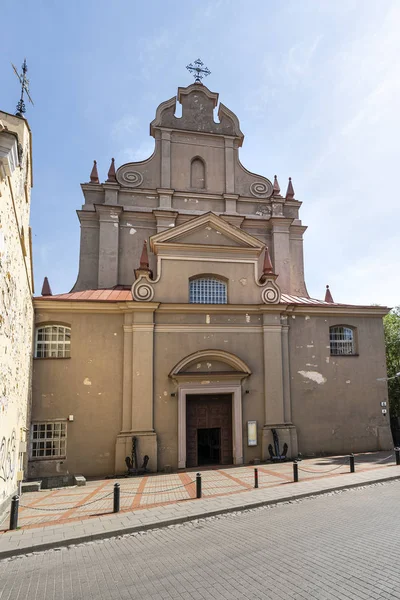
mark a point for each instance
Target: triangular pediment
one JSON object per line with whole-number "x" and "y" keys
{"x": 207, "y": 230}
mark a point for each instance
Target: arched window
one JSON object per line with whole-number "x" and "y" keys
{"x": 197, "y": 174}
{"x": 207, "y": 290}
{"x": 53, "y": 341}
{"x": 342, "y": 340}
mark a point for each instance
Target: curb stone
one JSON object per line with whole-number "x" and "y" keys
{"x": 121, "y": 531}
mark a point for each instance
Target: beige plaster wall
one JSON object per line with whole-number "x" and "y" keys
{"x": 185, "y": 147}
{"x": 16, "y": 312}
{"x": 242, "y": 288}
{"x": 170, "y": 348}
{"x": 336, "y": 399}
{"x": 132, "y": 233}
{"x": 88, "y": 386}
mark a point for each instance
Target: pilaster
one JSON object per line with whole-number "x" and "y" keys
{"x": 281, "y": 247}
{"x": 142, "y": 370}
{"x": 127, "y": 374}
{"x": 287, "y": 401}
{"x": 108, "y": 245}
{"x": 297, "y": 283}
{"x": 111, "y": 193}
{"x": 165, "y": 219}
{"x": 165, "y": 198}
{"x": 273, "y": 372}
{"x": 137, "y": 400}
{"x": 165, "y": 158}
{"x": 230, "y": 203}
{"x": 229, "y": 166}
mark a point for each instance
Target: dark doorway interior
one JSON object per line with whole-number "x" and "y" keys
{"x": 209, "y": 446}
{"x": 209, "y": 429}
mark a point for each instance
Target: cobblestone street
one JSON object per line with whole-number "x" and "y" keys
{"x": 341, "y": 545}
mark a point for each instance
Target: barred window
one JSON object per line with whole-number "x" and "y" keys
{"x": 342, "y": 340}
{"x": 53, "y": 341}
{"x": 207, "y": 290}
{"x": 49, "y": 440}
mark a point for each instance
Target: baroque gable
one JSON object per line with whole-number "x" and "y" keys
{"x": 206, "y": 230}
{"x": 194, "y": 171}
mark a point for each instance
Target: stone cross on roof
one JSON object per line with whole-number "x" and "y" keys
{"x": 198, "y": 71}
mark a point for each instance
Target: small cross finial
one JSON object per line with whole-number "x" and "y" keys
{"x": 24, "y": 81}
{"x": 198, "y": 71}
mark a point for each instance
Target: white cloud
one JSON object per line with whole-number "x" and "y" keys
{"x": 123, "y": 127}
{"x": 142, "y": 152}
{"x": 350, "y": 194}
{"x": 298, "y": 60}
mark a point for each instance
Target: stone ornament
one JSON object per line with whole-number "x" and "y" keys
{"x": 261, "y": 189}
{"x": 129, "y": 178}
{"x": 277, "y": 209}
{"x": 263, "y": 210}
{"x": 142, "y": 290}
{"x": 271, "y": 293}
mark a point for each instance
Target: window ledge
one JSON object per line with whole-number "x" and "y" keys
{"x": 344, "y": 355}
{"x": 41, "y": 458}
{"x": 52, "y": 357}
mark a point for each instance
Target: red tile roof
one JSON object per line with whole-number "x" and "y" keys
{"x": 121, "y": 294}
{"x": 113, "y": 295}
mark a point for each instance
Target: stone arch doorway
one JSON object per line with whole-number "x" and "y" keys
{"x": 210, "y": 408}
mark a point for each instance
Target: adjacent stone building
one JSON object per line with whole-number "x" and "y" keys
{"x": 16, "y": 310}
{"x": 190, "y": 326}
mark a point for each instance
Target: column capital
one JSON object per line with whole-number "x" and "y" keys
{"x": 108, "y": 213}
{"x": 280, "y": 224}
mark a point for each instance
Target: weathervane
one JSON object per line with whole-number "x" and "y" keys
{"x": 24, "y": 81}
{"x": 197, "y": 70}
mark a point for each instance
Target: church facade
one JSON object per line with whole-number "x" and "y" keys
{"x": 190, "y": 326}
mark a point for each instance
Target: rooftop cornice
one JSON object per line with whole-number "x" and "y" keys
{"x": 52, "y": 305}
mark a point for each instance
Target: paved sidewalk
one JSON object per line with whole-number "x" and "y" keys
{"x": 52, "y": 507}
{"x": 312, "y": 481}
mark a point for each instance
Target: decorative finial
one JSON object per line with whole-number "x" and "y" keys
{"x": 267, "y": 268}
{"x": 277, "y": 189}
{"x": 24, "y": 81}
{"x": 144, "y": 258}
{"x": 198, "y": 71}
{"x": 46, "y": 289}
{"x": 111, "y": 173}
{"x": 290, "y": 190}
{"x": 94, "y": 176}
{"x": 328, "y": 296}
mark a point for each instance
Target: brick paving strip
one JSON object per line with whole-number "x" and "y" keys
{"x": 178, "y": 503}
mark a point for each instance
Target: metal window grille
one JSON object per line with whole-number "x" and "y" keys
{"x": 206, "y": 290}
{"x": 53, "y": 341}
{"x": 49, "y": 440}
{"x": 342, "y": 340}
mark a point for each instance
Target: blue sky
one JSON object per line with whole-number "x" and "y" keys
{"x": 315, "y": 84}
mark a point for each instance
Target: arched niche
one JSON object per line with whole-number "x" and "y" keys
{"x": 197, "y": 173}
{"x": 225, "y": 361}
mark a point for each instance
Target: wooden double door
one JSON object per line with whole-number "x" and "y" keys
{"x": 209, "y": 429}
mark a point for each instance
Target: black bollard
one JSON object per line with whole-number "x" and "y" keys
{"x": 295, "y": 472}
{"x": 14, "y": 512}
{"x": 117, "y": 494}
{"x": 352, "y": 466}
{"x": 397, "y": 452}
{"x": 198, "y": 485}
{"x": 256, "y": 478}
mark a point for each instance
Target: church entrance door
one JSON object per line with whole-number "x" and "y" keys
{"x": 209, "y": 429}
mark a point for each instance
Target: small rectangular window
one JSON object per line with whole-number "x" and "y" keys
{"x": 207, "y": 290}
{"x": 49, "y": 440}
{"x": 342, "y": 340}
{"x": 53, "y": 341}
